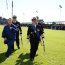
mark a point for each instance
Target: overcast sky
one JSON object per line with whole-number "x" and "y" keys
{"x": 48, "y": 10}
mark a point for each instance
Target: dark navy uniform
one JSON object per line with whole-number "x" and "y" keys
{"x": 41, "y": 28}
{"x": 9, "y": 32}
{"x": 34, "y": 33}
{"x": 17, "y": 33}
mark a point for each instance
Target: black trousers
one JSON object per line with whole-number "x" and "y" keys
{"x": 33, "y": 48}
{"x": 17, "y": 41}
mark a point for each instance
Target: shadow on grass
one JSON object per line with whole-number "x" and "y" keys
{"x": 23, "y": 59}
{"x": 2, "y": 57}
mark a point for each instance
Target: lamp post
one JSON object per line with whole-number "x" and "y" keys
{"x": 37, "y": 15}
{"x": 60, "y": 12}
{"x": 12, "y": 8}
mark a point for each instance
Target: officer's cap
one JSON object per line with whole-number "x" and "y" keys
{"x": 34, "y": 18}
{"x": 14, "y": 17}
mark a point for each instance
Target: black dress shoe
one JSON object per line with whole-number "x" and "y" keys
{"x": 6, "y": 55}
{"x": 31, "y": 59}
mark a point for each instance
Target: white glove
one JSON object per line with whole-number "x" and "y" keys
{"x": 5, "y": 39}
{"x": 42, "y": 36}
{"x": 27, "y": 40}
{"x": 42, "y": 41}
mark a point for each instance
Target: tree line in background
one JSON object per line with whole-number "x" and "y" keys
{"x": 3, "y": 20}
{"x": 52, "y": 25}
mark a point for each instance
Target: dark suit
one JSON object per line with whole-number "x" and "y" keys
{"x": 34, "y": 37}
{"x": 17, "y": 33}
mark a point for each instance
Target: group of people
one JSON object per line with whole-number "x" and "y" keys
{"x": 12, "y": 30}
{"x": 11, "y": 33}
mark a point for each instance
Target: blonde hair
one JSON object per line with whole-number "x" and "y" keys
{"x": 9, "y": 19}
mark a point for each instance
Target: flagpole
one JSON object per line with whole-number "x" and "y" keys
{"x": 12, "y": 8}
{"x": 6, "y": 4}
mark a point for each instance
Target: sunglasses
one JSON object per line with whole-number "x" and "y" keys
{"x": 33, "y": 19}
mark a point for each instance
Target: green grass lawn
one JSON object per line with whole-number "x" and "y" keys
{"x": 54, "y": 54}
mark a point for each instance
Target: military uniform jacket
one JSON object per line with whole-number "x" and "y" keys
{"x": 9, "y": 33}
{"x": 31, "y": 33}
{"x": 18, "y": 26}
